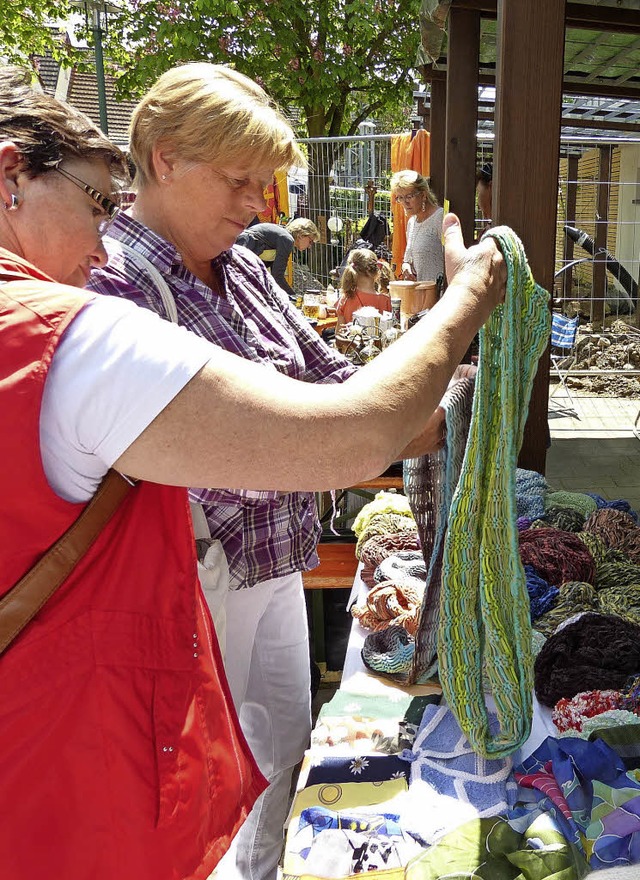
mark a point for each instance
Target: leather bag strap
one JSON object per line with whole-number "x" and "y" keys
{"x": 26, "y": 598}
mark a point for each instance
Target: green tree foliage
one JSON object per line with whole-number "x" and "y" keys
{"x": 337, "y": 62}
{"x": 25, "y": 30}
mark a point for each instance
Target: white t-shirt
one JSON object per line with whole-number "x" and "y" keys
{"x": 115, "y": 369}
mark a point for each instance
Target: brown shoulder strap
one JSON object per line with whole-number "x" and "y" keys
{"x": 27, "y": 597}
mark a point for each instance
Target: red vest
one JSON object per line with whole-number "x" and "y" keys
{"x": 121, "y": 757}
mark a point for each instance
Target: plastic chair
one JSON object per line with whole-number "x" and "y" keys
{"x": 563, "y": 339}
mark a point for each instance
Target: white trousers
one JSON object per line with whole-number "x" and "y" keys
{"x": 267, "y": 665}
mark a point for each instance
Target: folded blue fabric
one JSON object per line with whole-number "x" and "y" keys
{"x": 443, "y": 758}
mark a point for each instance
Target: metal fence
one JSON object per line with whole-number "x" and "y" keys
{"x": 597, "y": 267}
{"x": 347, "y": 180}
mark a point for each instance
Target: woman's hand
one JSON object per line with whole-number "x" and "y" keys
{"x": 407, "y": 272}
{"x": 480, "y": 268}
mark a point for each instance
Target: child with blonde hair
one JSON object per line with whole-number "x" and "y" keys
{"x": 360, "y": 284}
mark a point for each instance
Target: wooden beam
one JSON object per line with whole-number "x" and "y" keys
{"x": 572, "y": 192}
{"x": 599, "y": 124}
{"x": 599, "y": 275}
{"x": 526, "y": 152}
{"x": 577, "y": 15}
{"x": 461, "y": 121}
{"x": 571, "y": 85}
{"x": 438, "y": 136}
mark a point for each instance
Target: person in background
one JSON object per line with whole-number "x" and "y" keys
{"x": 359, "y": 286}
{"x": 423, "y": 256}
{"x": 274, "y": 245}
{"x": 118, "y": 741}
{"x": 484, "y": 186}
{"x": 385, "y": 276}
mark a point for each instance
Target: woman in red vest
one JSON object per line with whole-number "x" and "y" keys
{"x": 120, "y": 754}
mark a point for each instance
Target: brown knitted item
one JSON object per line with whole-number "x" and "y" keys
{"x": 378, "y": 547}
{"x": 557, "y": 556}
{"x": 596, "y": 652}
{"x": 611, "y": 525}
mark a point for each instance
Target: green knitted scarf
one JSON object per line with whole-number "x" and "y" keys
{"x": 484, "y": 613}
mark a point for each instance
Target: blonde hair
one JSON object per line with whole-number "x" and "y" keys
{"x": 207, "y": 113}
{"x": 301, "y": 226}
{"x": 361, "y": 261}
{"x": 416, "y": 182}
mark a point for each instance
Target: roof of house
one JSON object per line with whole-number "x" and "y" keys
{"x": 81, "y": 90}
{"x": 83, "y": 94}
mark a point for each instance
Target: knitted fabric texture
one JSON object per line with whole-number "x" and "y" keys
{"x": 610, "y": 525}
{"x": 630, "y": 546}
{"x": 389, "y": 603}
{"x": 401, "y": 566}
{"x": 565, "y": 518}
{"x": 542, "y": 596}
{"x": 435, "y": 478}
{"x": 596, "y": 652}
{"x": 612, "y": 718}
{"x": 623, "y": 600}
{"x": 595, "y": 546}
{"x": 610, "y": 575}
{"x": 383, "y": 502}
{"x": 484, "y": 616}
{"x": 389, "y": 651}
{"x": 530, "y": 491}
{"x": 378, "y": 547}
{"x": 443, "y": 758}
{"x": 584, "y": 504}
{"x": 571, "y": 714}
{"x": 619, "y": 504}
{"x": 573, "y": 597}
{"x": 383, "y": 524}
{"x": 557, "y": 556}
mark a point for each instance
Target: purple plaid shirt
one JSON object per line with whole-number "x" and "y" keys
{"x": 264, "y": 534}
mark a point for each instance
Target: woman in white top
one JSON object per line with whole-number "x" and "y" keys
{"x": 423, "y": 257}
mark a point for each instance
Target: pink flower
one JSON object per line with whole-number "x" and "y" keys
{"x": 318, "y": 55}
{"x": 294, "y": 64}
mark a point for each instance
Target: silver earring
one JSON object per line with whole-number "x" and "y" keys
{"x": 13, "y": 204}
{"x": 164, "y": 177}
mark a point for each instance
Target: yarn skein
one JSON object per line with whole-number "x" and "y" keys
{"x": 557, "y": 556}
{"x": 566, "y": 518}
{"x": 596, "y": 652}
{"x": 610, "y": 525}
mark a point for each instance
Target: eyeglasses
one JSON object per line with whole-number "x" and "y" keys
{"x": 109, "y": 207}
{"x": 402, "y": 200}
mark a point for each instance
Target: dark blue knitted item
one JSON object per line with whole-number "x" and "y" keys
{"x": 542, "y": 596}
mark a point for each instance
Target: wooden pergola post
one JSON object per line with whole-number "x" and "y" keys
{"x": 525, "y": 174}
{"x": 437, "y": 130}
{"x": 599, "y": 275}
{"x": 572, "y": 193}
{"x": 462, "y": 112}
